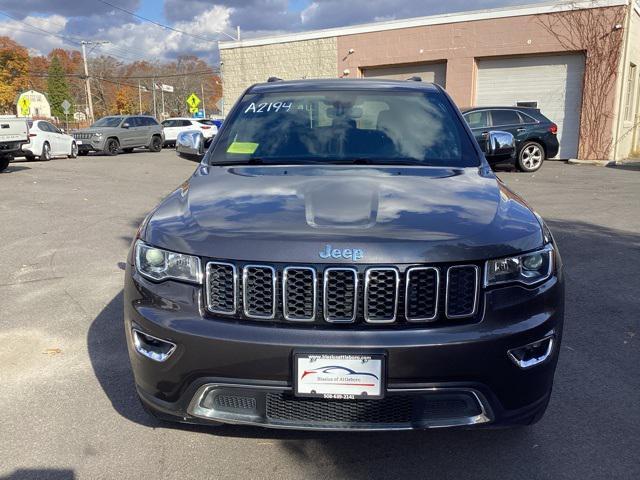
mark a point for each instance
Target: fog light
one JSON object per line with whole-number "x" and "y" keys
{"x": 152, "y": 347}
{"x": 532, "y": 354}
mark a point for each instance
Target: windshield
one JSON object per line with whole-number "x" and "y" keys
{"x": 373, "y": 127}
{"x": 108, "y": 122}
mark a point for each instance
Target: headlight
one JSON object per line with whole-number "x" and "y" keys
{"x": 158, "y": 264}
{"x": 527, "y": 269}
{"x": 97, "y": 135}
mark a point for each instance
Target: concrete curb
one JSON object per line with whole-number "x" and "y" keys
{"x": 599, "y": 163}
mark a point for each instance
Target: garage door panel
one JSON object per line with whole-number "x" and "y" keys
{"x": 553, "y": 81}
{"x": 429, "y": 72}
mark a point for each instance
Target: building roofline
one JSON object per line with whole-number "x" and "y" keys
{"x": 517, "y": 11}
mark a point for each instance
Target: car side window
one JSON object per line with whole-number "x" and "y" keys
{"x": 478, "y": 119}
{"x": 527, "y": 118}
{"x": 48, "y": 127}
{"x": 151, "y": 122}
{"x": 504, "y": 117}
{"x": 186, "y": 123}
{"x": 135, "y": 122}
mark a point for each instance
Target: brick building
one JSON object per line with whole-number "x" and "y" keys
{"x": 576, "y": 61}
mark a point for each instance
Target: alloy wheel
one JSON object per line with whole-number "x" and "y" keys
{"x": 531, "y": 157}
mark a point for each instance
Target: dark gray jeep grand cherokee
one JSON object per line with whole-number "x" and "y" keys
{"x": 344, "y": 258}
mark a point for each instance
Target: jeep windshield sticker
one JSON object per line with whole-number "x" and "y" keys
{"x": 268, "y": 107}
{"x": 243, "y": 148}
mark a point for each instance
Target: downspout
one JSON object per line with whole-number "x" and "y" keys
{"x": 622, "y": 83}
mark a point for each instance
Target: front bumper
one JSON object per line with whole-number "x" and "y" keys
{"x": 248, "y": 363}
{"x": 92, "y": 144}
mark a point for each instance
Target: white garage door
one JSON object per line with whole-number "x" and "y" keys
{"x": 554, "y": 82}
{"x": 429, "y": 72}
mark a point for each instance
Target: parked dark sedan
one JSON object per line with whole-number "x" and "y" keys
{"x": 536, "y": 135}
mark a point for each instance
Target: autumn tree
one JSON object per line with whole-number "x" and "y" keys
{"x": 38, "y": 67}
{"x": 57, "y": 87}
{"x": 125, "y": 100}
{"x": 14, "y": 68}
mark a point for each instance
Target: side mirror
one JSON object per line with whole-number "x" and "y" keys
{"x": 190, "y": 145}
{"x": 125, "y": 125}
{"x": 500, "y": 144}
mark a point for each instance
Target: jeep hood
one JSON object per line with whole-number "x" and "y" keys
{"x": 393, "y": 214}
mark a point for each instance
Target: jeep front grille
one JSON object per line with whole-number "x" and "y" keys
{"x": 355, "y": 294}
{"x": 82, "y": 136}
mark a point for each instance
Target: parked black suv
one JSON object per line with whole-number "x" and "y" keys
{"x": 536, "y": 135}
{"x": 344, "y": 258}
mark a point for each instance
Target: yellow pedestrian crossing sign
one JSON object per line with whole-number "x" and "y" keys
{"x": 24, "y": 105}
{"x": 193, "y": 101}
{"x": 193, "y": 109}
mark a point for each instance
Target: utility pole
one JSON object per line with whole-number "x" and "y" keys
{"x": 204, "y": 110}
{"x": 155, "y": 110}
{"x": 84, "y": 43}
{"x": 140, "y": 96}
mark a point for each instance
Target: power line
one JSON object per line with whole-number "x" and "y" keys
{"x": 136, "y": 77}
{"x": 167, "y": 27}
{"x": 63, "y": 37}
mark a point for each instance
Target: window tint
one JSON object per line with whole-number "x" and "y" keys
{"x": 134, "y": 121}
{"x": 504, "y": 117}
{"x": 333, "y": 126}
{"x": 168, "y": 123}
{"x": 47, "y": 127}
{"x": 477, "y": 119}
{"x": 149, "y": 122}
{"x": 206, "y": 122}
{"x": 527, "y": 118}
{"x": 108, "y": 122}
{"x": 185, "y": 123}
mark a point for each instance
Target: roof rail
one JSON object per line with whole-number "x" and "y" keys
{"x": 274, "y": 79}
{"x": 414, "y": 79}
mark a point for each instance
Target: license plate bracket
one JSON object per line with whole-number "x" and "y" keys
{"x": 339, "y": 376}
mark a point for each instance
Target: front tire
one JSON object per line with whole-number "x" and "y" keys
{"x": 530, "y": 157}
{"x": 156, "y": 144}
{"x": 74, "y": 150}
{"x": 45, "y": 156}
{"x": 111, "y": 147}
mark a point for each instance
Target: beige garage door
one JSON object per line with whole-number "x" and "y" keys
{"x": 552, "y": 82}
{"x": 429, "y": 72}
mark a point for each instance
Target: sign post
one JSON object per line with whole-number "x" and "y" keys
{"x": 24, "y": 105}
{"x": 193, "y": 101}
{"x": 65, "y": 108}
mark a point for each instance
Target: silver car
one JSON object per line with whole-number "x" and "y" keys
{"x": 111, "y": 134}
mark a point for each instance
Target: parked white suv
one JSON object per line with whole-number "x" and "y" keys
{"x": 174, "y": 126}
{"x": 48, "y": 141}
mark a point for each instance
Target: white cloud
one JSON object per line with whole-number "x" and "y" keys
{"x": 36, "y": 41}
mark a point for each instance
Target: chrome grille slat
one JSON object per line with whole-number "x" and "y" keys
{"x": 332, "y": 294}
{"x": 259, "y": 292}
{"x": 381, "y": 289}
{"x": 340, "y": 295}
{"x": 299, "y": 294}
{"x": 461, "y": 298}
{"x": 222, "y": 288}
{"x": 422, "y": 293}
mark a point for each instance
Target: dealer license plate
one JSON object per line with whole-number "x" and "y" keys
{"x": 78, "y": 142}
{"x": 338, "y": 376}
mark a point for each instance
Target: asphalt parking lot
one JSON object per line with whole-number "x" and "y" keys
{"x": 68, "y": 407}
